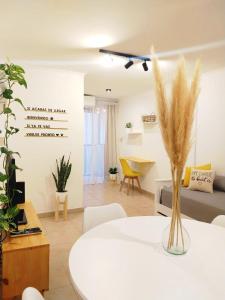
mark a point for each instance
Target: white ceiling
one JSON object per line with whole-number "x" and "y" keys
{"x": 69, "y": 33}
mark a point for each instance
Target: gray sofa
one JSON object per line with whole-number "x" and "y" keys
{"x": 195, "y": 204}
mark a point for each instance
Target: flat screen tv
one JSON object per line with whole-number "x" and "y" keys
{"x": 15, "y": 190}
{"x": 11, "y": 182}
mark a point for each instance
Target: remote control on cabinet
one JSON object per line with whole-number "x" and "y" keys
{"x": 28, "y": 231}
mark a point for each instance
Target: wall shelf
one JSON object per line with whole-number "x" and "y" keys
{"x": 134, "y": 132}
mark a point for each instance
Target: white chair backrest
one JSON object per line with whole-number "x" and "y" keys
{"x": 219, "y": 220}
{"x": 31, "y": 293}
{"x": 96, "y": 215}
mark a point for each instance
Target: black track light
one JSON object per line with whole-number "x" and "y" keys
{"x": 129, "y": 64}
{"x": 145, "y": 66}
{"x": 130, "y": 57}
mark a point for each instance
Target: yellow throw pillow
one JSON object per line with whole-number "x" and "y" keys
{"x": 188, "y": 170}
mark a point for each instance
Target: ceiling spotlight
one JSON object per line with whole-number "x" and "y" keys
{"x": 108, "y": 90}
{"x": 129, "y": 64}
{"x": 130, "y": 57}
{"x": 145, "y": 66}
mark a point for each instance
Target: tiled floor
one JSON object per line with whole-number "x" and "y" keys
{"x": 63, "y": 234}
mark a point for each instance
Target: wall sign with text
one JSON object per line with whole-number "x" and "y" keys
{"x": 43, "y": 134}
{"x": 44, "y": 122}
{"x": 44, "y": 109}
{"x": 44, "y": 118}
{"x": 43, "y": 126}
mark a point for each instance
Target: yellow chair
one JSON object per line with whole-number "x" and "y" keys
{"x": 130, "y": 175}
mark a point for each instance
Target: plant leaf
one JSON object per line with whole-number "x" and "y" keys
{"x": 4, "y": 198}
{"x": 7, "y": 94}
{"x": 55, "y": 179}
{"x": 3, "y": 177}
{"x": 19, "y": 69}
{"x": 15, "y": 167}
{"x": 19, "y": 101}
{"x": 7, "y": 110}
{"x": 8, "y": 152}
{"x": 17, "y": 191}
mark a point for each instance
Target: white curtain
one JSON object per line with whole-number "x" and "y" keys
{"x": 110, "y": 142}
{"x": 99, "y": 141}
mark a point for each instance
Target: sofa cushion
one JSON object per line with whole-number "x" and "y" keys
{"x": 202, "y": 180}
{"x": 188, "y": 170}
{"x": 197, "y": 205}
{"x": 219, "y": 183}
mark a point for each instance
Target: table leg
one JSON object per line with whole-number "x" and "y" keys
{"x": 139, "y": 186}
{"x": 65, "y": 208}
{"x": 122, "y": 183}
{"x": 128, "y": 186}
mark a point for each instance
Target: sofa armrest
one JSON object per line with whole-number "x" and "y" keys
{"x": 159, "y": 184}
{"x": 164, "y": 180}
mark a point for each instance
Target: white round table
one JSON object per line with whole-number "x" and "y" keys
{"x": 124, "y": 260}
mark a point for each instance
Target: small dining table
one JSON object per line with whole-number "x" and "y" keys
{"x": 138, "y": 160}
{"x": 124, "y": 260}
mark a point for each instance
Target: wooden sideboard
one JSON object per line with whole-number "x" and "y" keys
{"x": 25, "y": 259}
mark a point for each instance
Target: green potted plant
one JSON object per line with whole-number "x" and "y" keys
{"x": 128, "y": 127}
{"x": 113, "y": 173}
{"x": 10, "y": 75}
{"x": 63, "y": 172}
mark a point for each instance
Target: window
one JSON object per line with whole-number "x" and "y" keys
{"x": 94, "y": 144}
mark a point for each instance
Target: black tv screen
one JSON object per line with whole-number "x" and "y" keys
{"x": 11, "y": 182}
{"x": 15, "y": 190}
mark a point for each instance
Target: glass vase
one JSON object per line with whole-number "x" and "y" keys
{"x": 176, "y": 239}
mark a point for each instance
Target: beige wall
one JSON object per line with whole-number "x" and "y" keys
{"x": 53, "y": 88}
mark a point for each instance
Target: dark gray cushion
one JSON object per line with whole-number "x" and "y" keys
{"x": 219, "y": 183}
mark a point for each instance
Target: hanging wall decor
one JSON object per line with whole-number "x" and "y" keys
{"x": 149, "y": 119}
{"x": 40, "y": 128}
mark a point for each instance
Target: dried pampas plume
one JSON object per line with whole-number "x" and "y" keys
{"x": 176, "y": 119}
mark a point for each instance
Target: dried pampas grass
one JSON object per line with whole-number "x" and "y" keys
{"x": 176, "y": 119}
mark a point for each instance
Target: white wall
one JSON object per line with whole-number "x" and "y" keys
{"x": 89, "y": 101}
{"x": 211, "y": 120}
{"x": 51, "y": 88}
{"x": 147, "y": 145}
{"x": 210, "y": 130}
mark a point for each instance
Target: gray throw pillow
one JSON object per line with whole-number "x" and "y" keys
{"x": 219, "y": 183}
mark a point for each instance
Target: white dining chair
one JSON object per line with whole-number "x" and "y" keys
{"x": 31, "y": 293}
{"x": 95, "y": 215}
{"x": 219, "y": 220}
